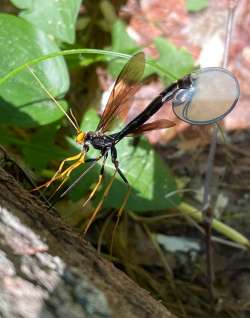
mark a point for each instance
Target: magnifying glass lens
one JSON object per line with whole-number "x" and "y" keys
{"x": 213, "y": 94}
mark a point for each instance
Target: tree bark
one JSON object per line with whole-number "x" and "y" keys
{"x": 47, "y": 270}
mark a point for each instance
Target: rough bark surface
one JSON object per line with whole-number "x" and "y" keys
{"x": 47, "y": 270}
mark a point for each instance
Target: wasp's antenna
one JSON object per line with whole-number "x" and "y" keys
{"x": 74, "y": 119}
{"x": 54, "y": 100}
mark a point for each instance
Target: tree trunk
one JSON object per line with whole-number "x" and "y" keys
{"x": 47, "y": 270}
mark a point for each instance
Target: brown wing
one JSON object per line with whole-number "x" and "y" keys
{"x": 158, "y": 124}
{"x": 126, "y": 85}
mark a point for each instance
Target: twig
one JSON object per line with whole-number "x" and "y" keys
{"x": 207, "y": 211}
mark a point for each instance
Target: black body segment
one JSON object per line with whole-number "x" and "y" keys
{"x": 200, "y": 98}
{"x": 188, "y": 95}
{"x": 99, "y": 141}
{"x": 166, "y": 95}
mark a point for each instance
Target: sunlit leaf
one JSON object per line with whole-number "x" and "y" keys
{"x": 177, "y": 61}
{"x": 56, "y": 18}
{"x": 196, "y": 5}
{"x": 149, "y": 177}
{"x": 21, "y": 4}
{"x": 90, "y": 121}
{"x": 121, "y": 42}
{"x": 22, "y": 100}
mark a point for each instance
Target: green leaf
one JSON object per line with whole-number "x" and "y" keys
{"x": 39, "y": 149}
{"x": 121, "y": 42}
{"x": 177, "y": 61}
{"x": 78, "y": 61}
{"x": 21, "y": 4}
{"x": 38, "y": 157}
{"x": 108, "y": 12}
{"x": 56, "y": 18}
{"x": 22, "y": 101}
{"x": 196, "y": 5}
{"x": 148, "y": 175}
{"x": 90, "y": 120}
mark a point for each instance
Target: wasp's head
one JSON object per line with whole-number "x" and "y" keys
{"x": 80, "y": 138}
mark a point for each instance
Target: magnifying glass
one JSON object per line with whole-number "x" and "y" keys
{"x": 213, "y": 93}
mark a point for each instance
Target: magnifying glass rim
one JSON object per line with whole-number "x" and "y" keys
{"x": 214, "y": 120}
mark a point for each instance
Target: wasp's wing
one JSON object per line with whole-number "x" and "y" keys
{"x": 158, "y": 124}
{"x": 126, "y": 85}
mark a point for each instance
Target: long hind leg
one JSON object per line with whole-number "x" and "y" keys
{"x": 116, "y": 163}
{"x": 125, "y": 200}
{"x": 101, "y": 175}
{"x": 97, "y": 209}
{"x": 64, "y": 174}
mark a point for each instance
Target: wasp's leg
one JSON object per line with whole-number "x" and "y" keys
{"x": 125, "y": 200}
{"x": 80, "y": 159}
{"x": 94, "y": 159}
{"x": 97, "y": 209}
{"x": 101, "y": 175}
{"x": 59, "y": 174}
{"x": 66, "y": 173}
{"x": 119, "y": 214}
{"x": 116, "y": 163}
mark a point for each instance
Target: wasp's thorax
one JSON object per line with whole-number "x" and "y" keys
{"x": 97, "y": 140}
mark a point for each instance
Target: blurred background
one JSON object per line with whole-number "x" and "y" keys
{"x": 159, "y": 241}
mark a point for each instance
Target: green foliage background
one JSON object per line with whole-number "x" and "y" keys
{"x": 64, "y": 46}
{"x": 33, "y": 124}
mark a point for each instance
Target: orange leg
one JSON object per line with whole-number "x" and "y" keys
{"x": 97, "y": 209}
{"x": 66, "y": 173}
{"x": 93, "y": 191}
{"x": 125, "y": 200}
{"x": 98, "y": 183}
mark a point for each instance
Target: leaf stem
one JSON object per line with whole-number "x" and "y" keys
{"x": 78, "y": 51}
